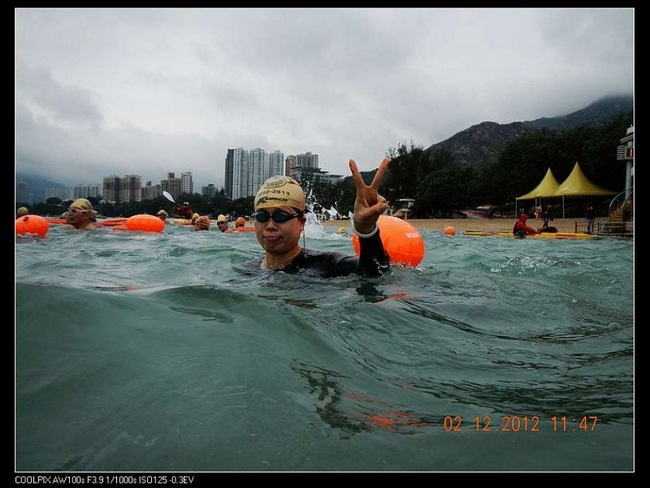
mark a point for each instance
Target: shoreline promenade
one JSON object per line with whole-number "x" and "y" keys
{"x": 490, "y": 225}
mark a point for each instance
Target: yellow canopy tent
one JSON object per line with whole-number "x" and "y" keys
{"x": 575, "y": 185}
{"x": 546, "y": 188}
{"x": 578, "y": 185}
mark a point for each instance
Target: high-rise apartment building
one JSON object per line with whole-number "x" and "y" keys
{"x": 276, "y": 164}
{"x": 171, "y": 184}
{"x": 247, "y": 170}
{"x": 116, "y": 189}
{"x": 131, "y": 188}
{"x": 111, "y": 188}
{"x": 236, "y": 173}
{"x": 85, "y": 191}
{"x": 307, "y": 161}
{"x": 63, "y": 194}
{"x": 258, "y": 170}
{"x": 187, "y": 185}
{"x": 290, "y": 164}
{"x": 149, "y": 191}
{"x": 209, "y": 191}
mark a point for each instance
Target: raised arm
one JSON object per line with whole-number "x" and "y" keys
{"x": 368, "y": 204}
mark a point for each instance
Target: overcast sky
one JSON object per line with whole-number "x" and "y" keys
{"x": 148, "y": 91}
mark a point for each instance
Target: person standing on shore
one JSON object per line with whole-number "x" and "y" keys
{"x": 591, "y": 217}
{"x": 547, "y": 217}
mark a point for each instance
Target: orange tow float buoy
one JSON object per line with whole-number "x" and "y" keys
{"x": 403, "y": 243}
{"x": 143, "y": 222}
{"x": 449, "y": 230}
{"x": 32, "y": 224}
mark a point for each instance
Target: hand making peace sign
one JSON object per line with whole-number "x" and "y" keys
{"x": 369, "y": 204}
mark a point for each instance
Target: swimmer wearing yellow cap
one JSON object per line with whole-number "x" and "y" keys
{"x": 280, "y": 219}
{"x": 222, "y": 223}
{"x": 81, "y": 215}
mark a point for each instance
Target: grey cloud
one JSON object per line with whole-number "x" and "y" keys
{"x": 64, "y": 103}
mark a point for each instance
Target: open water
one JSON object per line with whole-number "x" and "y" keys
{"x": 152, "y": 352}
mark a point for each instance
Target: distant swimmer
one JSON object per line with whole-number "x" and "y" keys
{"x": 222, "y": 223}
{"x": 201, "y": 223}
{"x": 22, "y": 211}
{"x": 81, "y": 215}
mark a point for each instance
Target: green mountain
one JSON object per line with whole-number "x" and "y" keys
{"x": 482, "y": 143}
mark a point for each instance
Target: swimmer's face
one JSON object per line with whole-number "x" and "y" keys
{"x": 279, "y": 237}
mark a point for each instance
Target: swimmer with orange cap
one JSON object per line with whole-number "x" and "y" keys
{"x": 279, "y": 220}
{"x": 201, "y": 222}
{"x": 81, "y": 215}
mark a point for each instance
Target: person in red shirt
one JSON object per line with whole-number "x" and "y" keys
{"x": 521, "y": 229}
{"x": 183, "y": 211}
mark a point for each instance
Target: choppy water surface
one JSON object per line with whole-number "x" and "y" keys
{"x": 152, "y": 352}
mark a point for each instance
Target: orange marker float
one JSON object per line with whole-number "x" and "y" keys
{"x": 450, "y": 230}
{"x": 145, "y": 222}
{"x": 403, "y": 243}
{"x": 141, "y": 222}
{"x": 32, "y": 224}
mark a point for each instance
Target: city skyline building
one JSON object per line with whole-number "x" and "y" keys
{"x": 187, "y": 184}
{"x": 245, "y": 172}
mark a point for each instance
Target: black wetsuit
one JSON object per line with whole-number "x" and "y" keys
{"x": 373, "y": 261}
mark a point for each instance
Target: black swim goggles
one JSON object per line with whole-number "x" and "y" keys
{"x": 280, "y": 216}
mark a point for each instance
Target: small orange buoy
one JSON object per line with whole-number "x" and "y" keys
{"x": 32, "y": 224}
{"x": 145, "y": 222}
{"x": 403, "y": 243}
{"x": 450, "y": 230}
